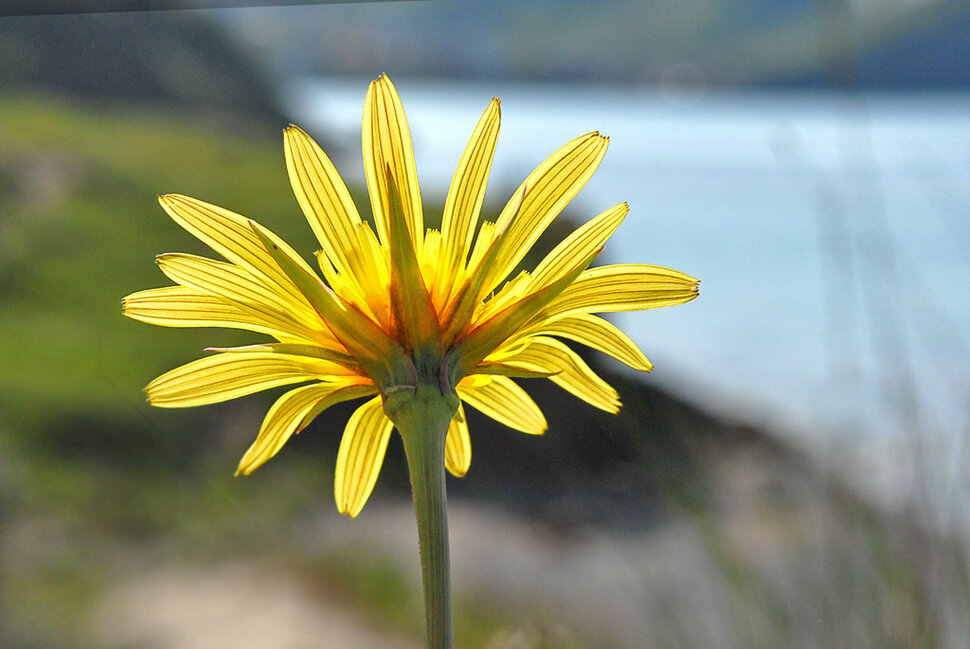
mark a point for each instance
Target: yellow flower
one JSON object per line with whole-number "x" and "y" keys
{"x": 402, "y": 306}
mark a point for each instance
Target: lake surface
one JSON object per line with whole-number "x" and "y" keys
{"x": 831, "y": 234}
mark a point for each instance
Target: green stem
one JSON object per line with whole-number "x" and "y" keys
{"x": 422, "y": 419}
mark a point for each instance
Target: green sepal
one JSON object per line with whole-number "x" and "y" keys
{"x": 411, "y": 309}
{"x": 484, "y": 339}
{"x": 380, "y": 356}
{"x": 473, "y": 292}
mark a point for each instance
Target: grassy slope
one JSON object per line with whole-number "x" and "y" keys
{"x": 81, "y": 451}
{"x": 80, "y": 230}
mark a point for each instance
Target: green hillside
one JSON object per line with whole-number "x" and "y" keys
{"x": 80, "y": 230}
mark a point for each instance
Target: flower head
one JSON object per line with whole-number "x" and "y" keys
{"x": 399, "y": 306}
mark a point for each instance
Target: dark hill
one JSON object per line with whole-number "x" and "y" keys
{"x": 162, "y": 58}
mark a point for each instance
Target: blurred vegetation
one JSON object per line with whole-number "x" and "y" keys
{"x": 84, "y": 455}
{"x": 95, "y": 486}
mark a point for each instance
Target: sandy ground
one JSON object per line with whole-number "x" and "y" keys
{"x": 237, "y": 604}
{"x": 600, "y": 584}
{"x": 768, "y": 569}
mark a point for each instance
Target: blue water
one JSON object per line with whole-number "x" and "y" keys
{"x": 831, "y": 234}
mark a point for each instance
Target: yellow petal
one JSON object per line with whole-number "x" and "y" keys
{"x": 386, "y": 143}
{"x": 178, "y": 306}
{"x": 514, "y": 290}
{"x": 458, "y": 446}
{"x": 367, "y": 286}
{"x": 296, "y": 349}
{"x": 465, "y": 196}
{"x": 289, "y": 415}
{"x": 364, "y": 388}
{"x": 548, "y": 190}
{"x": 510, "y": 369}
{"x": 581, "y": 243}
{"x": 623, "y": 287}
{"x": 230, "y": 375}
{"x": 360, "y": 456}
{"x": 595, "y": 332}
{"x": 487, "y": 234}
{"x": 429, "y": 267}
{"x": 375, "y": 275}
{"x": 230, "y": 235}
{"x": 572, "y": 373}
{"x": 324, "y": 198}
{"x": 504, "y": 401}
{"x": 236, "y": 285}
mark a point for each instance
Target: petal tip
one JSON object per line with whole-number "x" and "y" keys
{"x": 344, "y": 508}
{"x": 293, "y": 131}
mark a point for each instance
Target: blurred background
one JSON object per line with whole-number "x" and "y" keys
{"x": 792, "y": 474}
